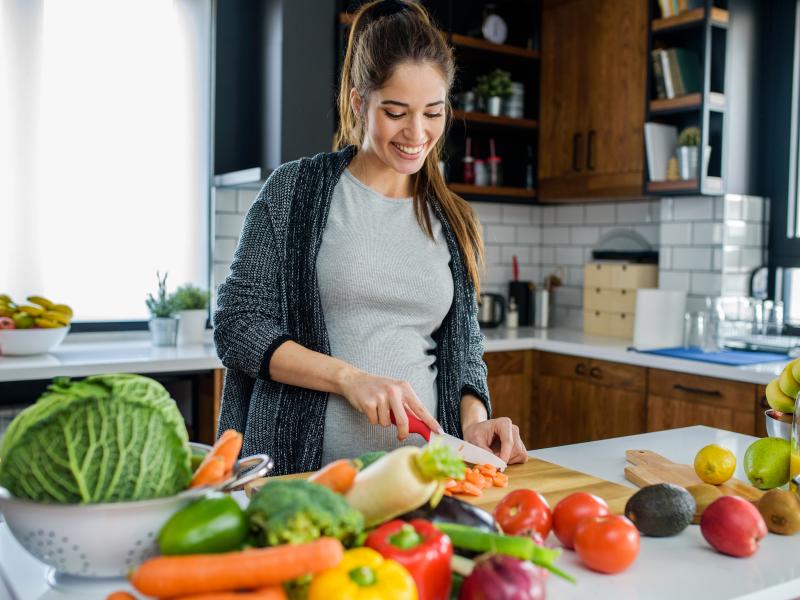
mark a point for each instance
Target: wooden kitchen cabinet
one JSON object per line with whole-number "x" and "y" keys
{"x": 580, "y": 400}
{"x": 592, "y": 99}
{"x": 682, "y": 400}
{"x": 510, "y": 380}
{"x": 761, "y": 406}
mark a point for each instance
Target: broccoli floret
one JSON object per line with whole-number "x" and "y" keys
{"x": 295, "y": 512}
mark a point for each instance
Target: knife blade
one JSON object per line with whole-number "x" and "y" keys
{"x": 469, "y": 452}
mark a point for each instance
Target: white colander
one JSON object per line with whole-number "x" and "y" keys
{"x": 105, "y": 540}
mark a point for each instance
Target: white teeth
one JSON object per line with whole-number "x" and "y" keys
{"x": 409, "y": 149}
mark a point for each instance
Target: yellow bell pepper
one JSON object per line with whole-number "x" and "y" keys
{"x": 364, "y": 574}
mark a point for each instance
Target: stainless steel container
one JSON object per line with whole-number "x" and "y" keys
{"x": 163, "y": 331}
{"x": 541, "y": 309}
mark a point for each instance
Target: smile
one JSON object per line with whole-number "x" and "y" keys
{"x": 409, "y": 150}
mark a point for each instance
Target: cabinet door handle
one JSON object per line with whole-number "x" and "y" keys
{"x": 580, "y": 369}
{"x": 576, "y": 140}
{"x": 691, "y": 390}
{"x": 596, "y": 373}
{"x": 589, "y": 148}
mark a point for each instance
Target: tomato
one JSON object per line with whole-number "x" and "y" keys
{"x": 524, "y": 511}
{"x": 572, "y": 510}
{"x": 607, "y": 544}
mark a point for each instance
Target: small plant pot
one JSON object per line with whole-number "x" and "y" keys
{"x": 687, "y": 162}
{"x": 163, "y": 331}
{"x": 193, "y": 327}
{"x": 494, "y": 106}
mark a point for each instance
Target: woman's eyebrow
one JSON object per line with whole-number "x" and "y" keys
{"x": 403, "y": 104}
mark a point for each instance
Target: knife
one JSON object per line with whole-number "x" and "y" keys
{"x": 469, "y": 452}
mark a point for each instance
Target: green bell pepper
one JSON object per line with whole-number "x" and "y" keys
{"x": 206, "y": 526}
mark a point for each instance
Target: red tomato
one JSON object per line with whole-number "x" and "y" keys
{"x": 524, "y": 511}
{"x": 607, "y": 544}
{"x": 572, "y": 510}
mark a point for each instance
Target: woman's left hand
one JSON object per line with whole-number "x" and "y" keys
{"x": 500, "y": 436}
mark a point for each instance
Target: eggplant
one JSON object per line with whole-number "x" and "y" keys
{"x": 453, "y": 510}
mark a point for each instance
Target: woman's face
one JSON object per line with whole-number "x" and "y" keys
{"x": 406, "y": 117}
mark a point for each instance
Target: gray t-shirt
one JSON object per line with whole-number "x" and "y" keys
{"x": 385, "y": 288}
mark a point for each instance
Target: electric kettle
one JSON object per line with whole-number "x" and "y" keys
{"x": 490, "y": 304}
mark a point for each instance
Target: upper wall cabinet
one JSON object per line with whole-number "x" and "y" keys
{"x": 593, "y": 80}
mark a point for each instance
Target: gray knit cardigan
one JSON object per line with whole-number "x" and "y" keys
{"x": 271, "y": 295}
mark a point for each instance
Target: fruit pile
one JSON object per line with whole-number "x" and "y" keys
{"x": 40, "y": 313}
{"x": 782, "y": 391}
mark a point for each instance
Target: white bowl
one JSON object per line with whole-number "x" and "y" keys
{"x": 777, "y": 428}
{"x": 24, "y": 342}
{"x": 105, "y": 540}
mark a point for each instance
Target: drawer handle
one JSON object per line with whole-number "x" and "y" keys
{"x": 580, "y": 369}
{"x": 596, "y": 373}
{"x": 691, "y": 390}
{"x": 624, "y": 292}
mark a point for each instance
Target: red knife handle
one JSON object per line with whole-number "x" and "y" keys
{"x": 415, "y": 425}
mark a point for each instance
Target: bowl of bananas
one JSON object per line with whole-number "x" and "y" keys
{"x": 34, "y": 327}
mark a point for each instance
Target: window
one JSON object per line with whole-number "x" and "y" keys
{"x": 108, "y": 105}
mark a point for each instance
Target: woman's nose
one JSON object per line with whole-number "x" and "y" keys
{"x": 414, "y": 131}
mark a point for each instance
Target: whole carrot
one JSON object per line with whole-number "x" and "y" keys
{"x": 168, "y": 576}
{"x": 228, "y": 447}
{"x": 270, "y": 593}
{"x": 338, "y": 475}
{"x": 209, "y": 473}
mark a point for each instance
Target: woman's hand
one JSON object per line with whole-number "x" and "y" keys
{"x": 380, "y": 397}
{"x": 500, "y": 436}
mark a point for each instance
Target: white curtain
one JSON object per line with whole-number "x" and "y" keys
{"x": 104, "y": 147}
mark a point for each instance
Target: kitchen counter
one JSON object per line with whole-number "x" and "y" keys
{"x": 90, "y": 354}
{"x": 684, "y": 566}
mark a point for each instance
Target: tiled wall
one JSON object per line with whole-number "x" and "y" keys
{"x": 708, "y": 246}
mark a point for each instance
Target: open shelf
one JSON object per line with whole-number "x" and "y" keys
{"x": 712, "y": 185}
{"x": 716, "y": 102}
{"x": 466, "y": 41}
{"x": 487, "y": 119}
{"x": 719, "y": 18}
{"x": 487, "y": 190}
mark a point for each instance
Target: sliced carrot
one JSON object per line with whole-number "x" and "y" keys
{"x": 337, "y": 476}
{"x": 169, "y": 576}
{"x": 120, "y": 595}
{"x": 448, "y": 493}
{"x": 458, "y": 488}
{"x": 475, "y": 477}
{"x": 270, "y": 593}
{"x": 450, "y": 483}
{"x": 472, "y": 489}
{"x": 487, "y": 470}
{"x": 500, "y": 480}
{"x": 209, "y": 473}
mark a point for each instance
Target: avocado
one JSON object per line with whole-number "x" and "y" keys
{"x": 661, "y": 510}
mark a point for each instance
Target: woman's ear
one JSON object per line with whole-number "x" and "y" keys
{"x": 355, "y": 102}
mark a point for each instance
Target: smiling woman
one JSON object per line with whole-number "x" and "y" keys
{"x": 352, "y": 298}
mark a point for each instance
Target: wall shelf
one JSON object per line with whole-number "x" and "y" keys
{"x": 487, "y": 119}
{"x": 713, "y": 185}
{"x": 719, "y": 18}
{"x": 716, "y": 102}
{"x": 466, "y": 41}
{"x": 486, "y": 190}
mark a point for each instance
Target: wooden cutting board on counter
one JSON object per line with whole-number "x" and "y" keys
{"x": 553, "y": 481}
{"x": 649, "y": 468}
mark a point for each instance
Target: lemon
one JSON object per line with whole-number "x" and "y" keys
{"x": 715, "y": 464}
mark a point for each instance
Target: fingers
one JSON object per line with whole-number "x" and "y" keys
{"x": 384, "y": 416}
{"x": 504, "y": 429}
{"x": 400, "y": 417}
{"x": 519, "y": 454}
{"x": 418, "y": 408}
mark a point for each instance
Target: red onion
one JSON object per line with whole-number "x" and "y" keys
{"x": 498, "y": 577}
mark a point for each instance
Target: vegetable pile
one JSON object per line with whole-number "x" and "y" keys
{"x": 107, "y": 438}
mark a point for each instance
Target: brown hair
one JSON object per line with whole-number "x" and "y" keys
{"x": 384, "y": 34}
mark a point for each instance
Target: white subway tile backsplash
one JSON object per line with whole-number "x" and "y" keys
{"x": 529, "y": 234}
{"x": 674, "y": 280}
{"x": 547, "y": 255}
{"x": 246, "y": 199}
{"x": 707, "y": 284}
{"x": 736, "y": 285}
{"x": 667, "y": 209}
{"x": 585, "y": 236}
{"x": 570, "y": 214}
{"x": 555, "y": 235}
{"x": 568, "y": 255}
{"x": 221, "y": 271}
{"x": 516, "y": 213}
{"x": 536, "y": 214}
{"x": 498, "y": 275}
{"x": 676, "y": 234}
{"x": 731, "y": 259}
{"x": 665, "y": 258}
{"x": 734, "y": 207}
{"x": 522, "y": 253}
{"x": 493, "y": 254}
{"x": 719, "y": 208}
{"x": 753, "y": 234}
{"x": 651, "y": 233}
{"x": 228, "y": 225}
{"x": 225, "y": 200}
{"x": 601, "y": 214}
{"x": 706, "y": 234}
{"x": 530, "y": 273}
{"x": 575, "y": 276}
{"x": 753, "y": 209}
{"x": 735, "y": 233}
{"x": 633, "y": 212}
{"x": 568, "y": 296}
{"x": 752, "y": 257}
{"x": 500, "y": 234}
{"x": 224, "y": 249}
{"x": 716, "y": 259}
{"x": 549, "y": 215}
{"x": 487, "y": 212}
{"x": 694, "y": 208}
{"x": 691, "y": 259}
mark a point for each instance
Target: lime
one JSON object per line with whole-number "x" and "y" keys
{"x": 766, "y": 463}
{"x": 715, "y": 464}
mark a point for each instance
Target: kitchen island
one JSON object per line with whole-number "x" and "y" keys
{"x": 684, "y": 566}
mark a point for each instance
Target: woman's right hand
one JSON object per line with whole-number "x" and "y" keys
{"x": 380, "y": 397}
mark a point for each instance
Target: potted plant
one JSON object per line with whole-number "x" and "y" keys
{"x": 163, "y": 323}
{"x": 688, "y": 143}
{"x": 492, "y": 88}
{"x": 191, "y": 303}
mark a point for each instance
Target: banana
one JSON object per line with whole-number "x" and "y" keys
{"x": 62, "y": 308}
{"x": 6, "y": 298}
{"x": 34, "y": 311}
{"x": 43, "y": 302}
{"x": 47, "y": 323}
{"x": 7, "y": 310}
{"x": 56, "y": 316}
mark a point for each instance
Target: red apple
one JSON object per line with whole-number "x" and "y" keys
{"x": 7, "y": 323}
{"x": 733, "y": 526}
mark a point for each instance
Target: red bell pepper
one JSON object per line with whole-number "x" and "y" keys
{"x": 422, "y": 549}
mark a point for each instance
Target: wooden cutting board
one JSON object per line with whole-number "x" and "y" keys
{"x": 554, "y": 482}
{"x": 649, "y": 468}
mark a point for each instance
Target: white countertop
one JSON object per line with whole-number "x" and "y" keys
{"x": 90, "y": 354}
{"x": 684, "y": 566}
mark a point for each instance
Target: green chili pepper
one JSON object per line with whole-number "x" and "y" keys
{"x": 206, "y": 526}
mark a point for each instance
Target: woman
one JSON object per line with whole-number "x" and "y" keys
{"x": 352, "y": 294}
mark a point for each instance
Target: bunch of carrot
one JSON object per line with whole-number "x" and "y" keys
{"x": 338, "y": 475}
{"x": 476, "y": 479}
{"x": 217, "y": 466}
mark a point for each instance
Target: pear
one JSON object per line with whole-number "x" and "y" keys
{"x": 777, "y": 399}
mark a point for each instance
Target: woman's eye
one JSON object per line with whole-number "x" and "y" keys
{"x": 392, "y": 115}
{"x": 434, "y": 115}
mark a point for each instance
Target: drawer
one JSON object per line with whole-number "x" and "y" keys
{"x": 634, "y": 276}
{"x": 614, "y": 324}
{"x": 621, "y": 324}
{"x": 597, "y": 275}
{"x": 702, "y": 390}
{"x": 596, "y": 372}
{"x": 563, "y": 365}
{"x": 609, "y": 299}
{"x": 505, "y": 363}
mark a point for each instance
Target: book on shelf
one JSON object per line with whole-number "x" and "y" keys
{"x": 670, "y": 8}
{"x": 676, "y": 72}
{"x": 660, "y": 142}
